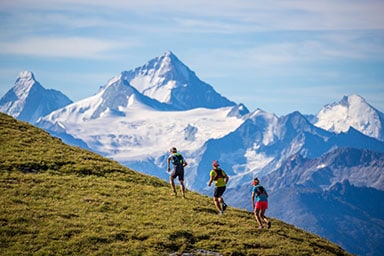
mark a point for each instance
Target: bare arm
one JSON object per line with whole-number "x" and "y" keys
{"x": 168, "y": 164}
{"x": 210, "y": 180}
{"x": 226, "y": 178}
{"x": 253, "y": 200}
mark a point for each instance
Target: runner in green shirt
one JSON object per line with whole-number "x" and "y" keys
{"x": 220, "y": 178}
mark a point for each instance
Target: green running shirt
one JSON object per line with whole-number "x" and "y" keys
{"x": 220, "y": 182}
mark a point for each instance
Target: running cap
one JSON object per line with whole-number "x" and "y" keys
{"x": 215, "y": 163}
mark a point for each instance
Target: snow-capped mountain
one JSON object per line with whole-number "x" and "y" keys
{"x": 263, "y": 142}
{"x": 352, "y": 111}
{"x": 170, "y": 81}
{"x": 141, "y": 128}
{"x": 139, "y": 114}
{"x": 112, "y": 100}
{"x": 28, "y": 100}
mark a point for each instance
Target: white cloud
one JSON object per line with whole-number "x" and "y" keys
{"x": 67, "y": 47}
{"x": 254, "y": 15}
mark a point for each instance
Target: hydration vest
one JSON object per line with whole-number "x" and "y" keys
{"x": 219, "y": 174}
{"x": 177, "y": 159}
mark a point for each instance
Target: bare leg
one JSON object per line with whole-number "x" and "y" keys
{"x": 216, "y": 200}
{"x": 182, "y": 188}
{"x": 257, "y": 217}
{"x": 224, "y": 206}
{"x": 265, "y": 218}
{"x": 171, "y": 180}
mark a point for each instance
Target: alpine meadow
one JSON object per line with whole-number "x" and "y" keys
{"x": 58, "y": 199}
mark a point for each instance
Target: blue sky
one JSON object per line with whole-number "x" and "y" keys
{"x": 280, "y": 56}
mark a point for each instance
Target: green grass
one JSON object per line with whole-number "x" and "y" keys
{"x": 75, "y": 202}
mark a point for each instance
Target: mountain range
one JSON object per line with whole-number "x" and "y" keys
{"x": 307, "y": 164}
{"x": 28, "y": 100}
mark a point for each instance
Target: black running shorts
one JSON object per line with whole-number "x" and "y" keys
{"x": 178, "y": 171}
{"x": 219, "y": 191}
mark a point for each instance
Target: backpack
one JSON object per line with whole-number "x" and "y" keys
{"x": 177, "y": 159}
{"x": 260, "y": 190}
{"x": 219, "y": 174}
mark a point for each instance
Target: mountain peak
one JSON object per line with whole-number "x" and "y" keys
{"x": 26, "y": 75}
{"x": 168, "y": 55}
{"x": 168, "y": 80}
{"x": 353, "y": 100}
{"x": 352, "y": 111}
{"x": 171, "y": 68}
{"x": 28, "y": 100}
{"x": 24, "y": 82}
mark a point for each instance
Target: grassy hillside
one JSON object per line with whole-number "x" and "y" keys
{"x": 62, "y": 200}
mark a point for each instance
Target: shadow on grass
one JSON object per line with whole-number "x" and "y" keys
{"x": 205, "y": 210}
